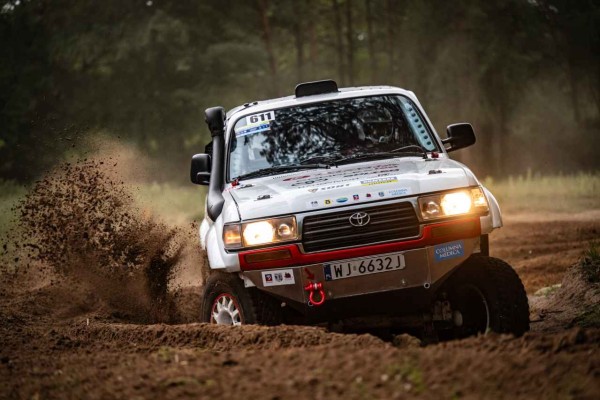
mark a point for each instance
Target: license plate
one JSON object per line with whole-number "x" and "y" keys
{"x": 363, "y": 266}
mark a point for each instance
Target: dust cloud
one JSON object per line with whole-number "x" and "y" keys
{"x": 80, "y": 229}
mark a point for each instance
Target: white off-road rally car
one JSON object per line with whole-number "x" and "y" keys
{"x": 342, "y": 207}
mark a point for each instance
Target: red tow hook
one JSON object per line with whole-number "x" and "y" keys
{"x": 313, "y": 287}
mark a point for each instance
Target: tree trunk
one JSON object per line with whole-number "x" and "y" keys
{"x": 390, "y": 37}
{"x": 371, "y": 42}
{"x": 299, "y": 39}
{"x": 312, "y": 39}
{"x": 350, "y": 42}
{"x": 263, "y": 7}
{"x": 338, "y": 39}
{"x": 573, "y": 91}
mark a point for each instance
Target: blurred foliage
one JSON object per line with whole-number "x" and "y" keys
{"x": 526, "y": 73}
{"x": 556, "y": 193}
{"x": 10, "y": 195}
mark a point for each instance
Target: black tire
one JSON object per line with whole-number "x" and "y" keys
{"x": 255, "y": 307}
{"x": 489, "y": 294}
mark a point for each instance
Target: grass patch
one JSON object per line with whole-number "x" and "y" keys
{"x": 536, "y": 193}
{"x": 409, "y": 373}
{"x": 548, "y": 290}
{"x": 590, "y": 263}
{"x": 172, "y": 203}
{"x": 589, "y": 318}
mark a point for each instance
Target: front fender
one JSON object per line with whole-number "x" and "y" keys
{"x": 211, "y": 234}
{"x": 494, "y": 219}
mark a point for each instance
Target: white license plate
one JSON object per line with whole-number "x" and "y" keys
{"x": 363, "y": 266}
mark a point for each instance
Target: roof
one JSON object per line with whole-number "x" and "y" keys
{"x": 289, "y": 101}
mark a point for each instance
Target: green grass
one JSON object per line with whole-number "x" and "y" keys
{"x": 531, "y": 193}
{"x": 174, "y": 204}
{"x": 536, "y": 193}
{"x": 590, "y": 318}
{"x": 10, "y": 194}
{"x": 590, "y": 263}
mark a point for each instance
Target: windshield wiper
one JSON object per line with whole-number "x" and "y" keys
{"x": 374, "y": 156}
{"x": 326, "y": 159}
{"x": 410, "y": 147}
{"x": 280, "y": 168}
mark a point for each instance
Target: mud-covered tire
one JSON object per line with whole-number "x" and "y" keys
{"x": 503, "y": 297}
{"x": 255, "y": 307}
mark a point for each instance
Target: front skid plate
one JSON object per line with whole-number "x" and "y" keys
{"x": 423, "y": 268}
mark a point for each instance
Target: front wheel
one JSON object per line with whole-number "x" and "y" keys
{"x": 486, "y": 293}
{"x": 225, "y": 301}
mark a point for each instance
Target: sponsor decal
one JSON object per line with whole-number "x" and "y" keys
{"x": 278, "y": 278}
{"x": 379, "y": 181}
{"x": 328, "y": 276}
{"x": 327, "y": 202}
{"x": 294, "y": 178}
{"x": 399, "y": 192}
{"x": 309, "y": 182}
{"x": 355, "y": 197}
{"x": 252, "y": 129}
{"x": 335, "y": 187}
{"x": 313, "y": 204}
{"x": 260, "y": 118}
{"x": 448, "y": 251}
{"x": 341, "y": 199}
{"x": 368, "y": 195}
{"x": 313, "y": 190}
{"x": 381, "y": 194}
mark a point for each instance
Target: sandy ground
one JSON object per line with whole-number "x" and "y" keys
{"x": 54, "y": 347}
{"x": 542, "y": 246}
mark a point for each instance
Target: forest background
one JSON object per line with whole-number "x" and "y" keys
{"x": 525, "y": 73}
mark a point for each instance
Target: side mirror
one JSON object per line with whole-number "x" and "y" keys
{"x": 200, "y": 170}
{"x": 459, "y": 136}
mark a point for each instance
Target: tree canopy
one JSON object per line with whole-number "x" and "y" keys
{"x": 526, "y": 73}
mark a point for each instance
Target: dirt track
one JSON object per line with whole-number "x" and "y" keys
{"x": 542, "y": 247}
{"x": 51, "y": 347}
{"x": 78, "y": 316}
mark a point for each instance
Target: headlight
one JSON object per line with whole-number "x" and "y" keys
{"x": 257, "y": 233}
{"x": 453, "y": 203}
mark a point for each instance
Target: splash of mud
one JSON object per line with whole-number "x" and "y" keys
{"x": 80, "y": 220}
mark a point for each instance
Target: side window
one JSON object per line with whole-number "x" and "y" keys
{"x": 417, "y": 125}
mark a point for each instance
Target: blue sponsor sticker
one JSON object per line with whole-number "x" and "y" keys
{"x": 328, "y": 272}
{"x": 253, "y": 129}
{"x": 399, "y": 192}
{"x": 450, "y": 250}
{"x": 341, "y": 199}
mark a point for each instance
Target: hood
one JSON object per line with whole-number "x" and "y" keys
{"x": 349, "y": 184}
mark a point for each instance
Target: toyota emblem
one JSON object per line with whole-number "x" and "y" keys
{"x": 359, "y": 219}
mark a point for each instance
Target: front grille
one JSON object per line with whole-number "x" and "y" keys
{"x": 330, "y": 231}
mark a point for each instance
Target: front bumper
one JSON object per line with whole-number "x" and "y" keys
{"x": 423, "y": 268}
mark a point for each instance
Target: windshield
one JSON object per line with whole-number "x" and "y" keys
{"x": 327, "y": 131}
